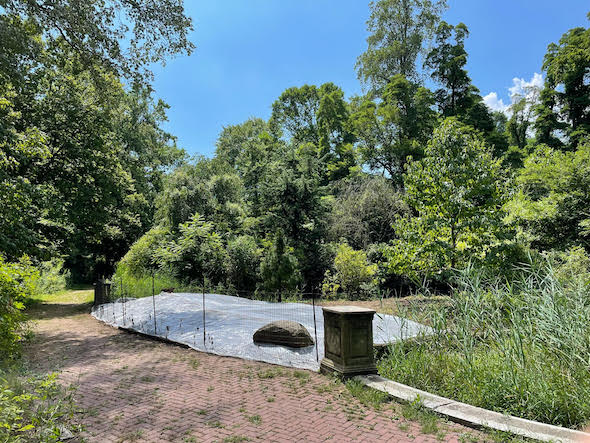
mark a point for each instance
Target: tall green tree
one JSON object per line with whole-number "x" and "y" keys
{"x": 447, "y": 59}
{"x": 107, "y": 159}
{"x": 206, "y": 186}
{"x": 391, "y": 129}
{"x": 234, "y": 140}
{"x": 318, "y": 118}
{"x": 548, "y": 125}
{"x": 295, "y": 115}
{"x": 84, "y": 154}
{"x": 21, "y": 199}
{"x": 565, "y": 100}
{"x": 522, "y": 116}
{"x": 88, "y": 161}
{"x": 293, "y": 196}
{"x": 458, "y": 97}
{"x": 457, "y": 192}
{"x": 253, "y": 165}
{"x": 248, "y": 149}
{"x": 398, "y": 30}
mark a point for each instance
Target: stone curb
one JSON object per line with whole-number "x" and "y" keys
{"x": 473, "y": 416}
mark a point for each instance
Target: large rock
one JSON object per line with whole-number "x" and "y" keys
{"x": 284, "y": 332}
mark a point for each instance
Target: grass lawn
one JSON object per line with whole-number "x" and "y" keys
{"x": 75, "y": 296}
{"x": 74, "y": 301}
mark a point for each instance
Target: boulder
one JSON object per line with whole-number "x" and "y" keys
{"x": 284, "y": 332}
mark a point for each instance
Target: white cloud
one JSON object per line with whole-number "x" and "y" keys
{"x": 495, "y": 103}
{"x": 520, "y": 88}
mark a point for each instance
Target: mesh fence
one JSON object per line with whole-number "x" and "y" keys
{"x": 217, "y": 323}
{"x": 225, "y": 324}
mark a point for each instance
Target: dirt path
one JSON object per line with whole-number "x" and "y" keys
{"x": 131, "y": 388}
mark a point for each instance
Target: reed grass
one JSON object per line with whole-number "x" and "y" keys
{"x": 519, "y": 347}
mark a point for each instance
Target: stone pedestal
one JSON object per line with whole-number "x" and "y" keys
{"x": 348, "y": 341}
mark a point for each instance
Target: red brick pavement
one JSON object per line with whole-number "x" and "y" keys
{"x": 130, "y": 388}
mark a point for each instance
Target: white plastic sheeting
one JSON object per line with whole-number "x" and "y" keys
{"x": 231, "y": 321}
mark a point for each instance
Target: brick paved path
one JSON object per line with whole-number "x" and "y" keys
{"x": 134, "y": 389}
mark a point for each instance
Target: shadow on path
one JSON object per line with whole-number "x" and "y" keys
{"x": 48, "y": 311}
{"x": 130, "y": 388}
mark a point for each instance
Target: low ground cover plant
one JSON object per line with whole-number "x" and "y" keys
{"x": 32, "y": 407}
{"x": 521, "y": 348}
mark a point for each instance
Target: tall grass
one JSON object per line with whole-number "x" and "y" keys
{"x": 521, "y": 348}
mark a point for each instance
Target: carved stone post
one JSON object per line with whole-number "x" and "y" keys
{"x": 348, "y": 341}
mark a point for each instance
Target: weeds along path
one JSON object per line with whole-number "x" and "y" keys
{"x": 130, "y": 388}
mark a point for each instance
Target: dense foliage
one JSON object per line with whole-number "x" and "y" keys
{"x": 417, "y": 184}
{"x": 553, "y": 199}
{"x": 17, "y": 283}
{"x": 86, "y": 170}
{"x": 353, "y": 275}
{"x": 81, "y": 156}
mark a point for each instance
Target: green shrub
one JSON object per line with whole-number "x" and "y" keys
{"x": 364, "y": 208}
{"x": 18, "y": 281}
{"x": 197, "y": 254}
{"x": 32, "y": 408}
{"x": 571, "y": 265}
{"x": 520, "y": 348}
{"x": 141, "y": 259}
{"x": 243, "y": 262}
{"x": 353, "y": 275}
{"x": 279, "y": 270}
{"x": 552, "y": 201}
{"x": 52, "y": 276}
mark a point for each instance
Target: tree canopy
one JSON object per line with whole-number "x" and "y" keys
{"x": 83, "y": 156}
{"x": 331, "y": 192}
{"x": 398, "y": 31}
{"x": 122, "y": 36}
{"x": 563, "y": 117}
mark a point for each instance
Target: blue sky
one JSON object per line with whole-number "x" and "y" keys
{"x": 249, "y": 51}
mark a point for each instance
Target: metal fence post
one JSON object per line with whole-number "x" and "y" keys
{"x": 124, "y": 308}
{"x": 154, "y": 304}
{"x": 315, "y": 328}
{"x": 204, "y": 345}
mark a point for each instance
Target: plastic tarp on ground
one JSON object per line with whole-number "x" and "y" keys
{"x": 231, "y": 321}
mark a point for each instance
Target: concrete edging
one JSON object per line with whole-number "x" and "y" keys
{"x": 474, "y": 416}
